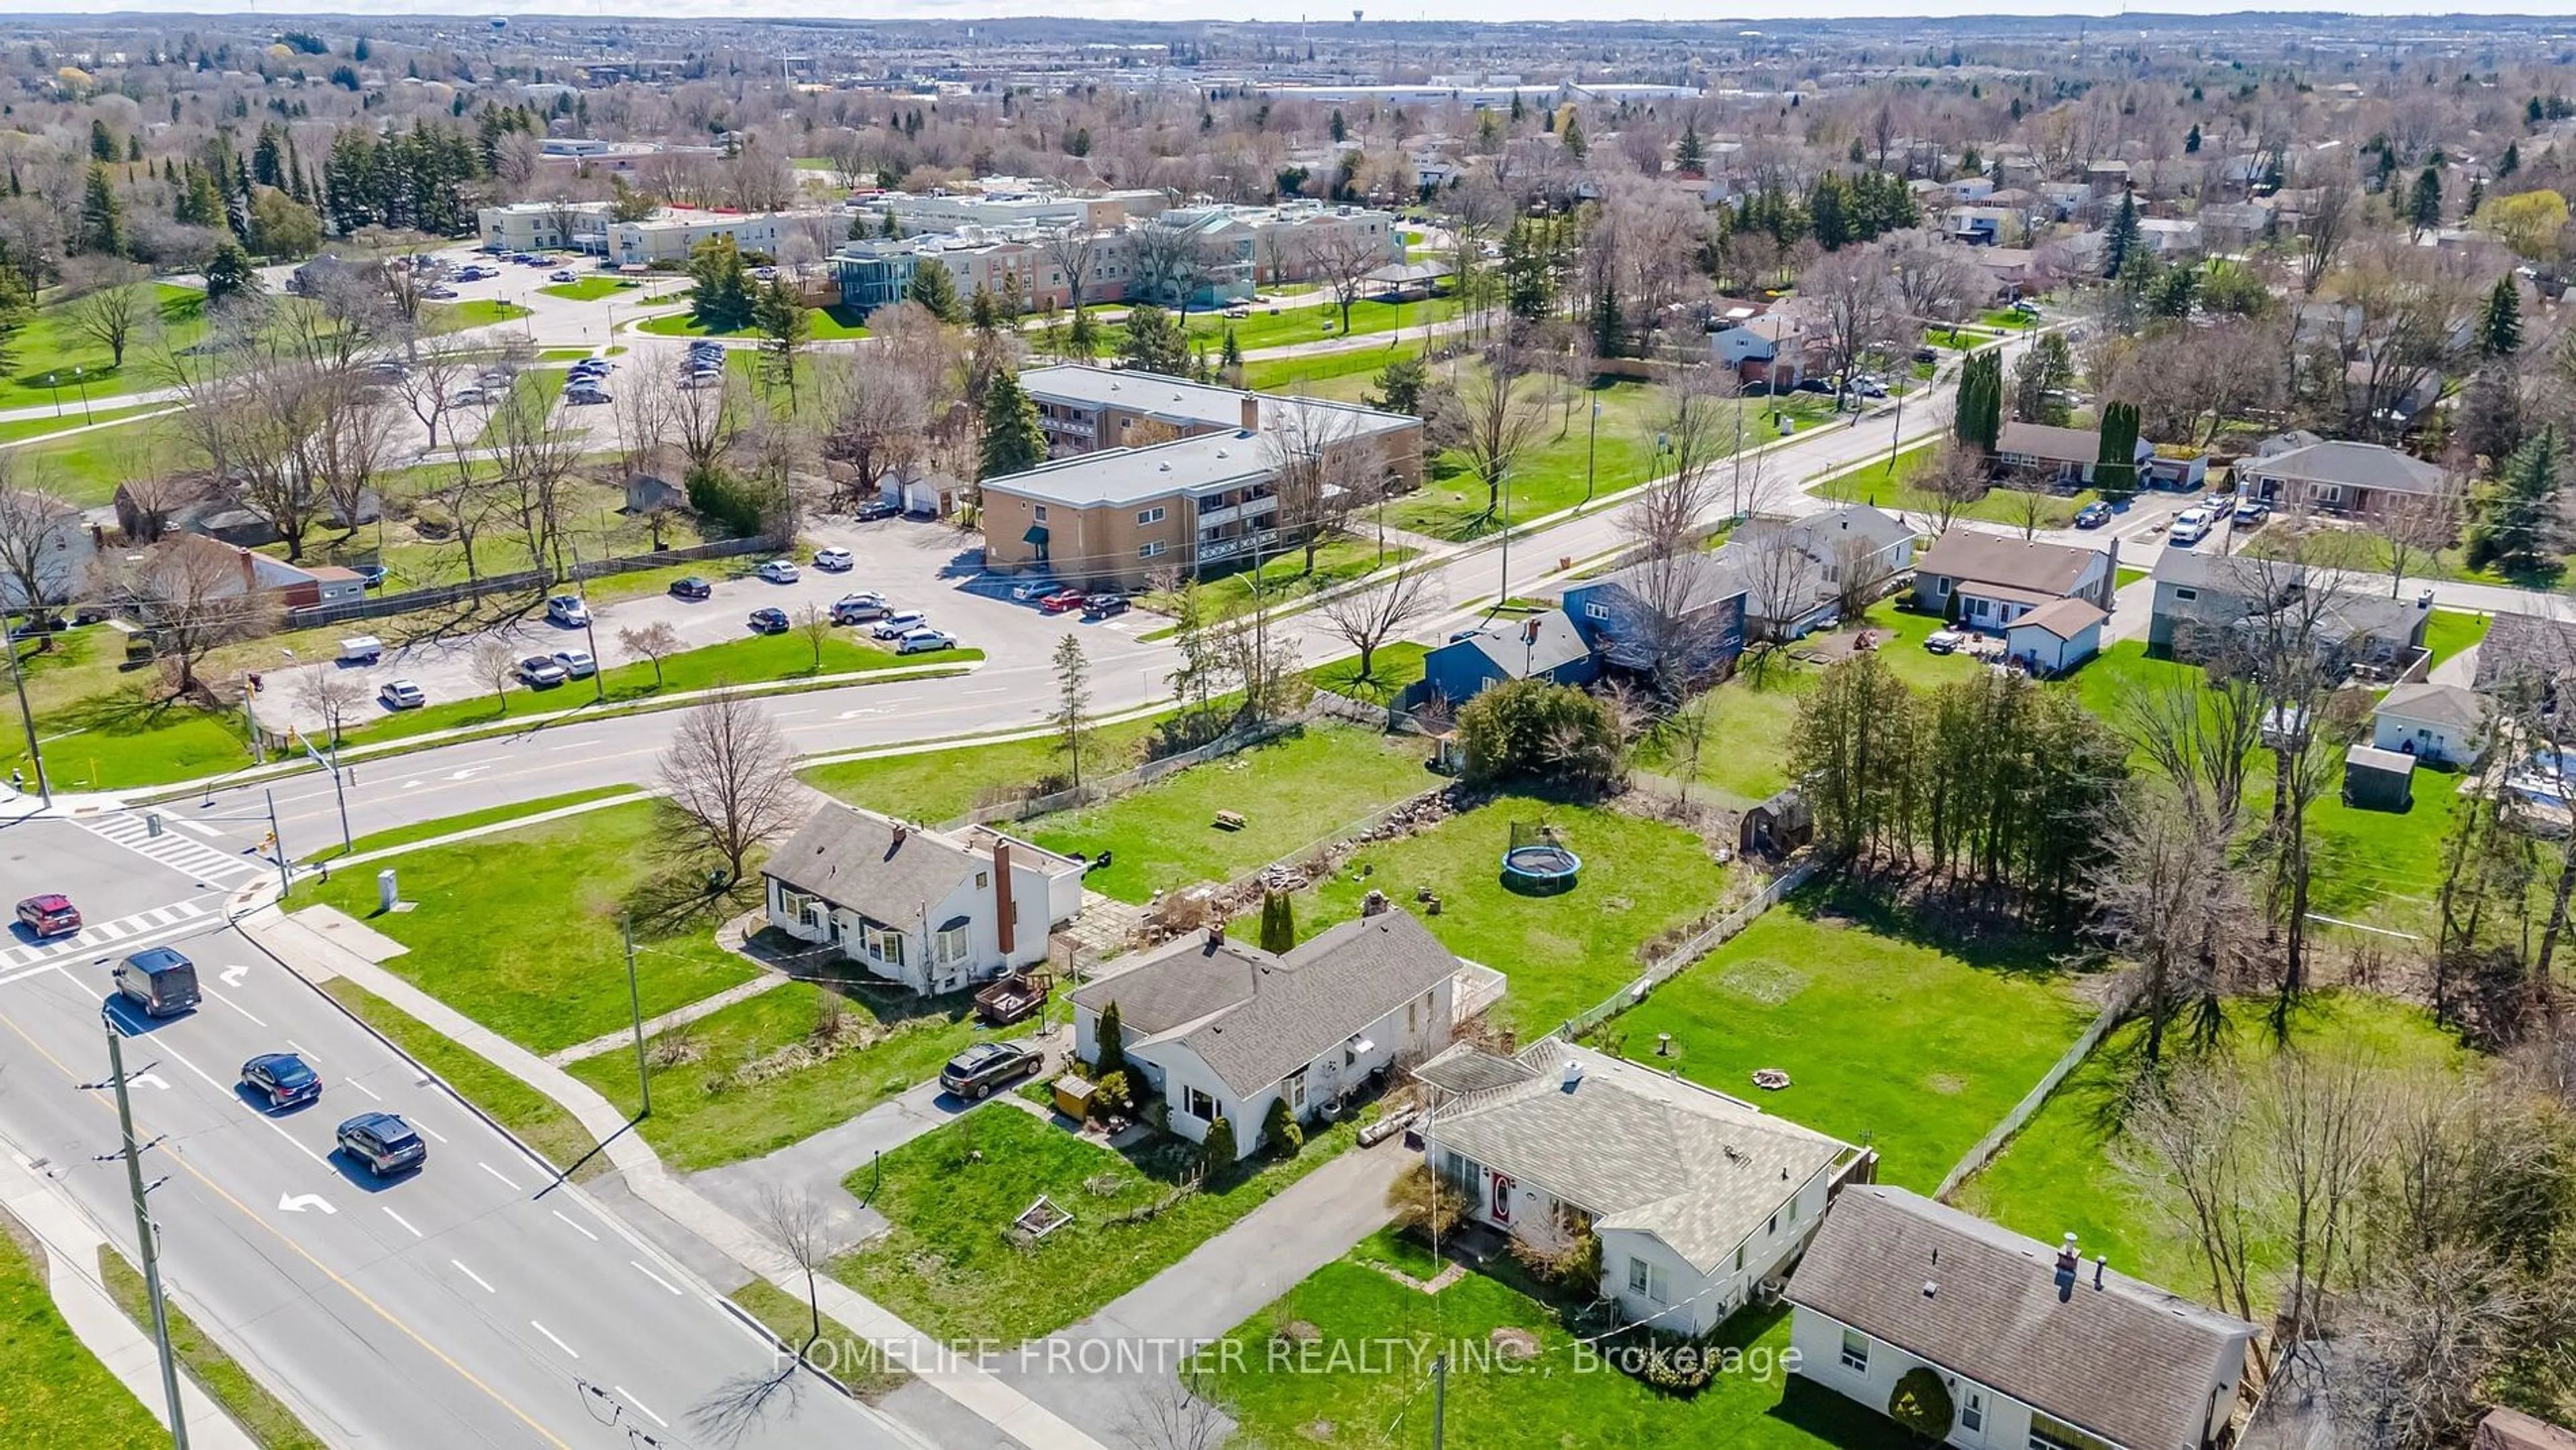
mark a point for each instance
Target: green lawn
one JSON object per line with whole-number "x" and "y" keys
{"x": 475, "y": 312}
{"x": 1889, "y": 485}
{"x": 432, "y": 830}
{"x": 2058, "y": 1176}
{"x": 85, "y": 468}
{"x": 534, "y": 390}
{"x": 1394, "y": 666}
{"x": 1291, "y": 790}
{"x": 588, "y": 289}
{"x": 734, "y": 1084}
{"x": 537, "y": 1120}
{"x": 53, "y": 1391}
{"x": 831, "y": 324}
{"x": 101, "y": 725}
{"x": 2449, "y": 631}
{"x": 1283, "y": 579}
{"x": 947, "y": 1264}
{"x": 74, "y": 416}
{"x": 52, "y": 345}
{"x": 1287, "y": 1394}
{"x": 1320, "y": 323}
{"x": 944, "y": 782}
{"x": 519, "y": 930}
{"x": 1563, "y": 953}
{"x": 1343, "y": 375}
{"x": 846, "y": 1355}
{"x": 271, "y": 1425}
{"x": 1892, "y": 1037}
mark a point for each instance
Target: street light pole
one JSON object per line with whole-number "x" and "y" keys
{"x": 54, "y": 380}
{"x": 27, "y": 717}
{"x": 1591, "y": 444}
{"x": 80, "y": 380}
{"x": 147, "y": 1237}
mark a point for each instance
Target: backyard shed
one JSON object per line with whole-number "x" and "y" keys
{"x": 2056, "y": 637}
{"x": 1777, "y": 826}
{"x": 2441, "y": 724}
{"x": 2378, "y": 780}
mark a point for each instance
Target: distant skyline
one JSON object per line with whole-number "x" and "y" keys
{"x": 1756, "y": 12}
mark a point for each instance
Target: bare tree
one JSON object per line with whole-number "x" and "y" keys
{"x": 730, "y": 778}
{"x": 1664, "y": 613}
{"x": 330, "y": 693}
{"x": 814, "y": 624}
{"x": 114, "y": 314}
{"x": 877, "y": 412}
{"x": 797, "y": 1225}
{"x": 36, "y": 536}
{"x": 2417, "y": 526}
{"x": 534, "y": 463}
{"x": 195, "y": 596}
{"x": 1855, "y": 305}
{"x": 656, "y": 641}
{"x": 494, "y": 668}
{"x": 2328, "y": 220}
{"x": 1172, "y": 1416}
{"x": 1074, "y": 250}
{"x": 1496, "y": 415}
{"x": 1341, "y": 257}
{"x": 705, "y": 421}
{"x": 1368, "y": 617}
{"x": 2170, "y": 895}
{"x": 2187, "y": 1136}
{"x": 1306, "y": 446}
{"x": 1172, "y": 263}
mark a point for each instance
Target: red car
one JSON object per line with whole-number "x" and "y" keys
{"x": 51, "y": 914}
{"x": 1063, "y": 601}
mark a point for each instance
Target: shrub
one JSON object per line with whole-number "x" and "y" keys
{"x": 1669, "y": 1362}
{"x": 1112, "y": 1095}
{"x": 1535, "y": 728}
{"x": 1424, "y": 1205}
{"x": 1278, "y": 923}
{"x": 1922, "y": 1404}
{"x": 1111, "y": 1056}
{"x": 1219, "y": 1147}
{"x": 1279, "y": 1129}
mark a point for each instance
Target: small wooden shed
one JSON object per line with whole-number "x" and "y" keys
{"x": 1777, "y": 826}
{"x": 2378, "y": 780}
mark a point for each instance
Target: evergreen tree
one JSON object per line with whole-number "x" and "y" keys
{"x": 1155, "y": 342}
{"x": 2115, "y": 472}
{"x": 2500, "y": 321}
{"x": 1691, "y": 154}
{"x": 1529, "y": 278}
{"x": 102, "y": 142}
{"x": 720, "y": 286}
{"x": 935, "y": 290}
{"x": 1232, "y": 356}
{"x": 2122, "y": 238}
{"x": 1013, "y": 441}
{"x": 785, "y": 325}
{"x": 1981, "y": 400}
{"x": 1222, "y": 1153}
{"x": 1110, "y": 1054}
{"x": 134, "y": 148}
{"x": 2511, "y": 161}
{"x": 1828, "y": 211}
{"x": 102, "y": 217}
{"x": 1278, "y": 923}
{"x": 2191, "y": 140}
{"x": 1341, "y": 132}
{"x": 1571, "y": 138}
{"x": 2424, "y": 203}
{"x": 1400, "y": 386}
{"x": 230, "y": 273}
{"x": 2516, "y": 516}
{"x": 982, "y": 312}
{"x": 17, "y": 305}
{"x": 1609, "y": 334}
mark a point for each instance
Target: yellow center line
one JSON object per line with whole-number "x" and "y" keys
{"x": 301, "y": 1252}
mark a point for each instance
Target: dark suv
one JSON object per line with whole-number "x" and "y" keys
{"x": 976, "y": 1072}
{"x": 384, "y": 1143}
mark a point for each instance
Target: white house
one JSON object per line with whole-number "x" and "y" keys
{"x": 54, "y": 544}
{"x": 1222, "y": 1029}
{"x": 1855, "y": 542}
{"x": 2036, "y": 1348}
{"x": 933, "y": 911}
{"x": 2056, "y": 637}
{"x": 1986, "y": 581}
{"x": 1695, "y": 1197}
{"x": 2441, "y": 724}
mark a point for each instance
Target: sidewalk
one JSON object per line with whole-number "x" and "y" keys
{"x": 310, "y": 956}
{"x": 71, "y": 1246}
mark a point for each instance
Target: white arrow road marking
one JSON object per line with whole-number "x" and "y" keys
{"x": 576, "y": 1228}
{"x": 469, "y": 1273}
{"x": 656, "y": 1278}
{"x": 398, "y": 1218}
{"x": 233, "y": 976}
{"x": 550, "y": 1334}
{"x": 495, "y": 1172}
{"x": 864, "y": 710}
{"x": 298, "y": 1202}
{"x": 411, "y": 785}
{"x": 628, "y": 1396}
{"x": 468, "y": 773}
{"x": 152, "y": 1079}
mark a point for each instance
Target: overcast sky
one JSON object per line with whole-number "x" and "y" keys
{"x": 1749, "y": 10}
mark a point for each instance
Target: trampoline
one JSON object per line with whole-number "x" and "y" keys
{"x": 1540, "y": 870}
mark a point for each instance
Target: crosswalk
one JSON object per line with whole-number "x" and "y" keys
{"x": 159, "y": 921}
{"x": 176, "y": 849}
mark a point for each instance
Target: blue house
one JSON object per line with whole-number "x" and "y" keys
{"x": 1541, "y": 647}
{"x": 1623, "y": 616}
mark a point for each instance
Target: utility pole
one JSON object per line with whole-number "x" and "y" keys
{"x": 1503, "y": 585}
{"x": 1591, "y": 444}
{"x": 27, "y": 716}
{"x": 635, "y": 1007}
{"x": 147, "y": 1237}
{"x": 277, "y": 843}
{"x": 348, "y": 843}
{"x": 1439, "y": 1399}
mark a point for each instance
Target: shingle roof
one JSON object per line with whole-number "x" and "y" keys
{"x": 870, "y": 864}
{"x": 2063, "y": 618}
{"x": 2525, "y": 649}
{"x": 1984, "y": 558}
{"x": 2357, "y": 465}
{"x": 1463, "y": 1067}
{"x": 1254, "y": 1018}
{"x": 1528, "y": 647}
{"x": 2058, "y": 445}
{"x": 1707, "y": 579}
{"x": 2128, "y": 1362}
{"x": 1641, "y": 1151}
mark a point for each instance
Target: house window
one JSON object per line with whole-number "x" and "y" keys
{"x": 1942, "y": 587}
{"x": 1793, "y": 1209}
{"x": 954, "y": 943}
{"x": 1149, "y": 516}
{"x": 1648, "y": 1281}
{"x": 1200, "y": 1105}
{"x": 887, "y": 946}
{"x": 1596, "y": 611}
{"x": 2186, "y": 595}
{"x": 1739, "y": 1258}
{"x": 983, "y": 879}
{"x": 1774, "y": 1229}
{"x": 1041, "y": 513}
{"x": 1855, "y": 1351}
{"x": 1972, "y": 1410}
{"x": 1151, "y": 550}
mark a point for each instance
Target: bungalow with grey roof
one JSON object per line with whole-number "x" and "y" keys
{"x": 2442, "y": 724}
{"x": 1986, "y": 581}
{"x": 2359, "y": 480}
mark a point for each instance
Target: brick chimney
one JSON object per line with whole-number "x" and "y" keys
{"x": 1251, "y": 413}
{"x": 1002, "y": 910}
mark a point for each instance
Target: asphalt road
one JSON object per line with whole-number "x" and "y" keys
{"x": 450, "y": 1307}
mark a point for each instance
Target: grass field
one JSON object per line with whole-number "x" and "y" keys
{"x": 1284, "y": 579}
{"x": 732, "y": 1085}
{"x": 948, "y": 1266}
{"x": 1288, "y": 326}
{"x": 271, "y": 1425}
{"x": 474, "y": 312}
{"x": 53, "y": 1391}
{"x": 2058, "y": 1175}
{"x": 51, "y": 344}
{"x": 85, "y": 468}
{"x": 942, "y": 783}
{"x": 75, "y": 416}
{"x": 432, "y": 830}
{"x": 1562, "y": 953}
{"x": 1290, "y": 1399}
{"x": 1393, "y": 666}
{"x": 1892, "y": 1036}
{"x": 850, "y": 1358}
{"x": 831, "y": 324}
{"x": 519, "y": 930}
{"x": 1291, "y": 791}
{"x": 1343, "y": 375}
{"x": 589, "y": 289}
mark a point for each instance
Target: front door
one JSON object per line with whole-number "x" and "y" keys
{"x": 1501, "y": 1199}
{"x": 1972, "y": 1414}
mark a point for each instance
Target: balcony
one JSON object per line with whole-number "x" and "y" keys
{"x": 1211, "y": 550}
{"x": 1218, "y": 518}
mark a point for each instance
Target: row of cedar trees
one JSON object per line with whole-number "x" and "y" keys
{"x": 1980, "y": 423}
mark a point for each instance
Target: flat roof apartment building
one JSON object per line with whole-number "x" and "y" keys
{"x": 669, "y": 237}
{"x": 1156, "y": 475}
{"x": 543, "y": 226}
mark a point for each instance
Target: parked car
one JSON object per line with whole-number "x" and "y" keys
{"x": 383, "y": 1142}
{"x": 875, "y": 509}
{"x": 780, "y": 571}
{"x": 1944, "y": 641}
{"x": 899, "y": 624}
{"x": 559, "y": 275}
{"x": 1101, "y": 606}
{"x": 2251, "y": 513}
{"x": 577, "y": 663}
{"x": 769, "y": 620}
{"x": 976, "y": 1072}
{"x": 2093, "y": 515}
{"x": 440, "y": 294}
{"x": 567, "y": 610}
{"x": 835, "y": 560}
{"x": 1063, "y": 601}
{"x": 472, "y": 395}
{"x": 922, "y": 641}
{"x": 1868, "y": 388}
{"x": 543, "y": 671}
{"x": 50, "y": 914}
{"x": 1028, "y": 589}
{"x": 579, "y": 395}
{"x": 159, "y": 980}
{"x": 402, "y": 695}
{"x": 371, "y": 576}
{"x": 2189, "y": 528}
{"x": 282, "y": 1078}
{"x": 692, "y": 587}
{"x": 858, "y": 608}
